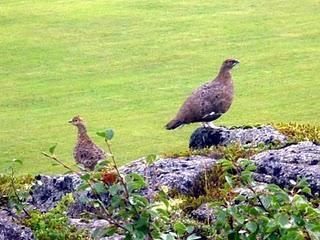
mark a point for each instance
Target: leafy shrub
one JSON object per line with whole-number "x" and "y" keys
{"x": 273, "y": 213}
{"x": 128, "y": 212}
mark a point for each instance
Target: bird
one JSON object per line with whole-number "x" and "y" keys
{"x": 85, "y": 152}
{"x": 210, "y": 101}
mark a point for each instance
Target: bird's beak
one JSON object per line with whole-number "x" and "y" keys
{"x": 70, "y": 121}
{"x": 236, "y": 62}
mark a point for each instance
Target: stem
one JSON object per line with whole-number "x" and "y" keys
{"x": 251, "y": 189}
{"x": 60, "y": 162}
{"x": 16, "y": 194}
{"x": 260, "y": 201}
{"x": 117, "y": 169}
{"x": 121, "y": 178}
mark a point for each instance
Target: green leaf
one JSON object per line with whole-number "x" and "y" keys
{"x": 85, "y": 177}
{"x": 271, "y": 226}
{"x": 251, "y": 226}
{"x": 139, "y": 200}
{"x": 115, "y": 188}
{"x": 246, "y": 176}
{"x": 240, "y": 198}
{"x": 99, "y": 187}
{"x": 190, "y": 229}
{"x": 151, "y": 158}
{"x": 110, "y": 231}
{"x": 83, "y": 186}
{"x": 180, "y": 228}
{"x": 266, "y": 201}
{"x": 229, "y": 180}
{"x": 273, "y": 188}
{"x": 283, "y": 196}
{"x": 98, "y": 232}
{"x": 300, "y": 203}
{"x": 226, "y": 164}
{"x": 294, "y": 234}
{"x": 168, "y": 236}
{"x": 84, "y": 199}
{"x": 283, "y": 220}
{"x": 17, "y": 161}
{"x": 109, "y": 134}
{"x": 306, "y": 190}
{"x": 101, "y": 133}
{"x": 193, "y": 237}
{"x": 101, "y": 165}
{"x": 116, "y": 201}
{"x": 135, "y": 181}
{"x": 53, "y": 148}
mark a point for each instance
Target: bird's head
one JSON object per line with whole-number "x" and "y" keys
{"x": 77, "y": 121}
{"x": 229, "y": 63}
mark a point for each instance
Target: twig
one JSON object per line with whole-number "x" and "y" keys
{"x": 116, "y": 167}
{"x": 60, "y": 162}
{"x": 16, "y": 194}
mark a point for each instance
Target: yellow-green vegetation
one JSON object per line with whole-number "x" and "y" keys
{"x": 129, "y": 64}
{"x": 22, "y": 185}
{"x": 299, "y": 132}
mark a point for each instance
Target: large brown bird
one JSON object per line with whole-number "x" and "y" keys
{"x": 85, "y": 152}
{"x": 209, "y": 101}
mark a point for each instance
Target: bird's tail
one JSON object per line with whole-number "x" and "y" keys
{"x": 174, "y": 123}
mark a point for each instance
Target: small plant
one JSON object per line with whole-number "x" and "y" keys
{"x": 54, "y": 224}
{"x": 15, "y": 190}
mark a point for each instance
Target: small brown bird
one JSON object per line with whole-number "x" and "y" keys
{"x": 85, "y": 151}
{"x": 209, "y": 101}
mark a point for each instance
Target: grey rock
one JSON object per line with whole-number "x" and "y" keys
{"x": 48, "y": 190}
{"x": 9, "y": 230}
{"x": 78, "y": 208}
{"x": 93, "y": 225}
{"x": 182, "y": 174}
{"x": 301, "y": 160}
{"x": 114, "y": 237}
{"x": 203, "y": 214}
{"x": 204, "y": 137}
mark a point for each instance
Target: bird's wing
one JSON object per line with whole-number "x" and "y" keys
{"x": 84, "y": 154}
{"x": 202, "y": 103}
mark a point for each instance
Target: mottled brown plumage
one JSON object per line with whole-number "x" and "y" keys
{"x": 209, "y": 101}
{"x": 86, "y": 152}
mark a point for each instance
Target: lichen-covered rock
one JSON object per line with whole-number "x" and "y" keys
{"x": 204, "y": 137}
{"x": 94, "y": 225}
{"x": 48, "y": 190}
{"x": 183, "y": 174}
{"x": 300, "y": 160}
{"x": 79, "y": 207}
{"x": 9, "y": 230}
{"x": 203, "y": 213}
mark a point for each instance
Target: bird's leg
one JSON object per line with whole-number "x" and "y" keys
{"x": 211, "y": 125}
{"x": 205, "y": 124}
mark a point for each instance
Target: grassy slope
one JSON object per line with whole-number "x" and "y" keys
{"x": 130, "y": 64}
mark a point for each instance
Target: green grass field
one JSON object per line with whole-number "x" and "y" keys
{"x": 129, "y": 65}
